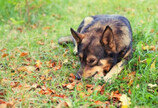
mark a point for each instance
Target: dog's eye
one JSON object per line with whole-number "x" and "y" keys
{"x": 91, "y": 61}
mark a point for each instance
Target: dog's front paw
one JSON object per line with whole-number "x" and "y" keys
{"x": 107, "y": 79}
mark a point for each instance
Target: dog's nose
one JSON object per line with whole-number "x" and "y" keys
{"x": 78, "y": 77}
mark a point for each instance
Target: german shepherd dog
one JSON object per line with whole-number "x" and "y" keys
{"x": 103, "y": 44}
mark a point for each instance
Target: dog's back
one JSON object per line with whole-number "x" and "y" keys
{"x": 120, "y": 26}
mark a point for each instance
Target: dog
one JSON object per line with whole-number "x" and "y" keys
{"x": 103, "y": 44}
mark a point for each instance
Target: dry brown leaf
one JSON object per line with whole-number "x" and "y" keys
{"x": 14, "y": 84}
{"x": 40, "y": 43}
{"x": 46, "y": 28}
{"x": 23, "y": 54}
{"x": 79, "y": 86}
{"x": 89, "y": 85}
{"x": 4, "y": 55}
{"x": 57, "y": 67}
{"x": 72, "y": 75}
{"x": 152, "y": 31}
{"x": 115, "y": 95}
{"x": 4, "y": 49}
{"x": 129, "y": 91}
{"x": 34, "y": 26}
{"x": 98, "y": 102}
{"x": 70, "y": 86}
{"x": 4, "y": 104}
{"x": 50, "y": 64}
{"x": 98, "y": 88}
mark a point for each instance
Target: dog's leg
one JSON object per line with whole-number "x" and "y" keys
{"x": 115, "y": 71}
{"x": 68, "y": 39}
{"x": 65, "y": 40}
{"x": 118, "y": 67}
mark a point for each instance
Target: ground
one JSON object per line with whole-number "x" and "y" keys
{"x": 37, "y": 72}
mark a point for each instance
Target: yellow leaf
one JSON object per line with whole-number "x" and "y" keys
{"x": 38, "y": 64}
{"x": 126, "y": 101}
{"x": 124, "y": 106}
{"x": 153, "y": 65}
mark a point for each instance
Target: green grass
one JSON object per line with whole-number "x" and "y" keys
{"x": 60, "y": 15}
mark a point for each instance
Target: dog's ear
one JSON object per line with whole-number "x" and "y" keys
{"x": 77, "y": 36}
{"x": 108, "y": 39}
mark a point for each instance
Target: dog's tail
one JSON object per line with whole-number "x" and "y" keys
{"x": 65, "y": 40}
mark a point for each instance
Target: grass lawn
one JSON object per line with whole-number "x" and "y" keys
{"x": 34, "y": 69}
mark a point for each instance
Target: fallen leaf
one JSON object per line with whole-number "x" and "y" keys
{"x": 2, "y": 93}
{"x": 38, "y": 64}
{"x": 101, "y": 104}
{"x": 26, "y": 68}
{"x": 4, "y": 49}
{"x": 152, "y": 31}
{"x": 70, "y": 86}
{"x": 125, "y": 101}
{"x": 14, "y": 84}
{"x": 23, "y": 54}
{"x": 20, "y": 29}
{"x": 151, "y": 48}
{"x": 60, "y": 95}
{"x": 46, "y": 28}
{"x": 72, "y": 75}
{"x": 153, "y": 65}
{"x": 129, "y": 91}
{"x": 98, "y": 102}
{"x": 40, "y": 43}
{"x": 152, "y": 85}
{"x": 4, "y": 104}
{"x": 89, "y": 85}
{"x": 50, "y": 64}
{"x": 53, "y": 45}
{"x": 57, "y": 67}
{"x": 34, "y": 26}
{"x": 79, "y": 86}
{"x": 115, "y": 95}
{"x": 4, "y": 55}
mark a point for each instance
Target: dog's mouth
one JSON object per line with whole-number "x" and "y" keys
{"x": 93, "y": 74}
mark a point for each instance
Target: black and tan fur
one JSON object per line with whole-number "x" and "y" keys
{"x": 103, "y": 44}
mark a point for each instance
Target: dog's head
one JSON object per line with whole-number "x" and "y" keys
{"x": 96, "y": 51}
